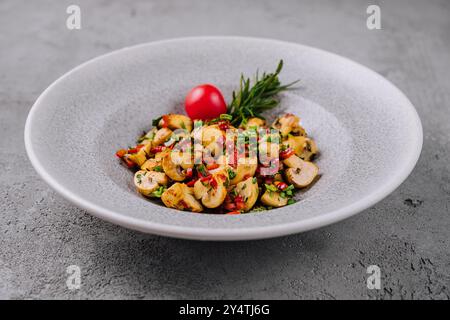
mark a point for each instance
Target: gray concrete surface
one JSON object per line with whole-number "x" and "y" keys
{"x": 407, "y": 234}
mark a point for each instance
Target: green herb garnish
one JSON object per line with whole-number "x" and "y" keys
{"x": 158, "y": 193}
{"x": 225, "y": 116}
{"x": 156, "y": 121}
{"x": 202, "y": 169}
{"x": 231, "y": 174}
{"x": 251, "y": 101}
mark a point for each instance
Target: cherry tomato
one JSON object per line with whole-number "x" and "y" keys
{"x": 205, "y": 102}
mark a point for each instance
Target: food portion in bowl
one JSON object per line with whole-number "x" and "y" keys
{"x": 225, "y": 159}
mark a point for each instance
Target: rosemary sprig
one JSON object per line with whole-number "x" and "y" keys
{"x": 252, "y": 101}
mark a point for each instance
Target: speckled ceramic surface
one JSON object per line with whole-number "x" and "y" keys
{"x": 368, "y": 132}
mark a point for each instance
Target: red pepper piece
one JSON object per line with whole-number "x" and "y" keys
{"x": 286, "y": 153}
{"x": 121, "y": 153}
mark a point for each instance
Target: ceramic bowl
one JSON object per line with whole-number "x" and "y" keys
{"x": 368, "y": 132}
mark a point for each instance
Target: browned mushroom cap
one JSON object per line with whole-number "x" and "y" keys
{"x": 249, "y": 191}
{"x": 161, "y": 136}
{"x": 174, "y": 164}
{"x": 255, "y": 123}
{"x": 273, "y": 199}
{"x": 309, "y": 150}
{"x": 151, "y": 164}
{"x": 180, "y": 196}
{"x": 302, "y": 177}
{"x": 139, "y": 157}
{"x": 211, "y": 196}
{"x": 288, "y": 123}
{"x": 176, "y": 121}
{"x": 148, "y": 181}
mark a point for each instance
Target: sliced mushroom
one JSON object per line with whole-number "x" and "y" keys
{"x": 303, "y": 176}
{"x": 293, "y": 162}
{"x": 273, "y": 199}
{"x": 211, "y": 194}
{"x": 161, "y": 136}
{"x": 255, "y": 123}
{"x": 139, "y": 157}
{"x": 211, "y": 134}
{"x": 172, "y": 196}
{"x": 289, "y": 123}
{"x": 148, "y": 137}
{"x": 249, "y": 191}
{"x": 309, "y": 150}
{"x": 159, "y": 177}
{"x": 176, "y": 121}
{"x": 174, "y": 164}
{"x": 297, "y": 143}
{"x": 146, "y": 182}
{"x": 243, "y": 171}
{"x": 151, "y": 164}
{"x": 188, "y": 201}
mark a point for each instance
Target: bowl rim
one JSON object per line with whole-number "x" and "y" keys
{"x": 202, "y": 233}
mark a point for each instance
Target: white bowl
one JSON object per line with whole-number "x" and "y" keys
{"x": 369, "y": 134}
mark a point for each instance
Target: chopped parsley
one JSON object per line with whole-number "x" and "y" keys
{"x": 231, "y": 174}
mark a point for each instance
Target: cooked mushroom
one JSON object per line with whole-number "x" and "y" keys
{"x": 189, "y": 202}
{"x": 147, "y": 182}
{"x": 309, "y": 150}
{"x": 161, "y": 136}
{"x": 273, "y": 199}
{"x": 289, "y": 123}
{"x": 174, "y": 165}
{"x": 176, "y": 121}
{"x": 211, "y": 192}
{"x": 249, "y": 191}
{"x": 300, "y": 173}
{"x": 180, "y": 196}
{"x": 255, "y": 123}
{"x": 293, "y": 162}
{"x": 211, "y": 134}
{"x": 242, "y": 171}
{"x": 139, "y": 157}
{"x": 172, "y": 196}
{"x": 302, "y": 177}
{"x": 151, "y": 164}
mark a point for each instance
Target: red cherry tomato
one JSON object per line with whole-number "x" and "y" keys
{"x": 205, "y": 102}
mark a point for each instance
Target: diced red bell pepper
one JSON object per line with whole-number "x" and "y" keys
{"x": 213, "y": 183}
{"x": 234, "y": 212}
{"x": 205, "y": 179}
{"x": 189, "y": 173}
{"x": 212, "y": 166}
{"x": 191, "y": 183}
{"x": 230, "y": 206}
{"x": 157, "y": 149}
{"x": 280, "y": 185}
{"x": 240, "y": 205}
{"x": 129, "y": 163}
{"x": 121, "y": 153}
{"x": 164, "y": 122}
{"x": 286, "y": 153}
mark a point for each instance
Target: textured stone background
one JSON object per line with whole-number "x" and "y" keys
{"x": 407, "y": 234}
